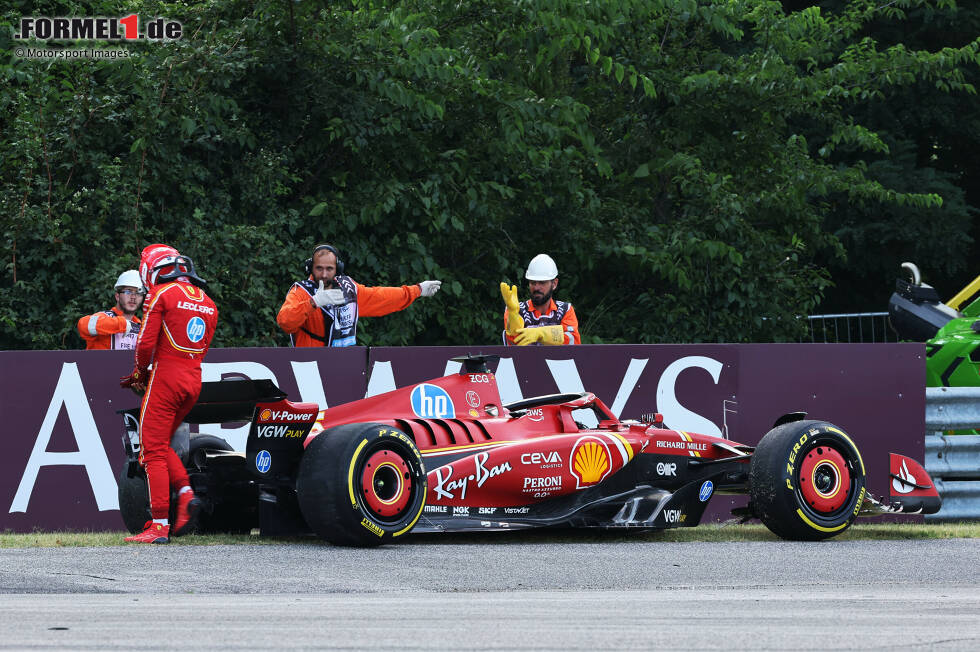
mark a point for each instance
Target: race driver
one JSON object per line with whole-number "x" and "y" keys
{"x": 178, "y": 325}
{"x": 118, "y": 327}
{"x": 323, "y": 309}
{"x": 542, "y": 319}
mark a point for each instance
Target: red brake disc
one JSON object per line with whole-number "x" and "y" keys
{"x": 386, "y": 483}
{"x": 824, "y": 479}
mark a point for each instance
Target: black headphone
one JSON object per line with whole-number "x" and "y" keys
{"x": 331, "y": 249}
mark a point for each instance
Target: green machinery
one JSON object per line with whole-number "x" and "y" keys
{"x": 950, "y": 330}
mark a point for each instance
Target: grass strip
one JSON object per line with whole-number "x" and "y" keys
{"x": 703, "y": 533}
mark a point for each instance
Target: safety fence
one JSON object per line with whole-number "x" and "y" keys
{"x": 850, "y": 328}
{"x": 953, "y": 460}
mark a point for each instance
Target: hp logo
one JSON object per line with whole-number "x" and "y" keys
{"x": 432, "y": 402}
{"x": 263, "y": 461}
{"x": 706, "y": 490}
{"x": 195, "y": 330}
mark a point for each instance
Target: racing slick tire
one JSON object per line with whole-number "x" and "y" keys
{"x": 134, "y": 499}
{"x": 361, "y": 484}
{"x": 807, "y": 480}
{"x": 134, "y": 495}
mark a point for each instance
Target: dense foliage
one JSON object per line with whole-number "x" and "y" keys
{"x": 701, "y": 170}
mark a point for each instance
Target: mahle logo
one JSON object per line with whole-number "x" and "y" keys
{"x": 98, "y": 28}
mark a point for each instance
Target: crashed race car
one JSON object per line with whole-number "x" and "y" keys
{"x": 447, "y": 456}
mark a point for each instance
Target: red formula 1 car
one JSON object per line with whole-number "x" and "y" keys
{"x": 446, "y": 456}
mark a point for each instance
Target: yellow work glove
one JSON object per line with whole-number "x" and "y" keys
{"x": 514, "y": 320}
{"x": 543, "y": 334}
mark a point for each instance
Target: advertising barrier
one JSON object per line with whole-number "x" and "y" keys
{"x": 60, "y": 434}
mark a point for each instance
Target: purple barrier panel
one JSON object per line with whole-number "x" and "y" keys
{"x": 873, "y": 392}
{"x": 61, "y": 446}
{"x": 62, "y": 439}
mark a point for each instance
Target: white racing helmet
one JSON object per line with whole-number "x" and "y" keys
{"x": 541, "y": 268}
{"x": 130, "y": 278}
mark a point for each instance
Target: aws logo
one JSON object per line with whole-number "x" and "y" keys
{"x": 432, "y": 402}
{"x": 590, "y": 461}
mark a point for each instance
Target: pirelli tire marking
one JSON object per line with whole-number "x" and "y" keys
{"x": 807, "y": 480}
{"x": 361, "y": 484}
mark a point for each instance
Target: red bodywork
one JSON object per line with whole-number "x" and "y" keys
{"x": 478, "y": 454}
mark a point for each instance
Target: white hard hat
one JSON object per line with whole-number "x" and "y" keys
{"x": 131, "y": 279}
{"x": 542, "y": 268}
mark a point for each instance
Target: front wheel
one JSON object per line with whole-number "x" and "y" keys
{"x": 807, "y": 480}
{"x": 361, "y": 484}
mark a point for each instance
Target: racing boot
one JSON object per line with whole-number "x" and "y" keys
{"x": 188, "y": 507}
{"x": 152, "y": 533}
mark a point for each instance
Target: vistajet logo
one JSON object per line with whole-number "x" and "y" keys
{"x": 98, "y": 28}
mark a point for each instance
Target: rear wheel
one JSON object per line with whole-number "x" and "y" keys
{"x": 807, "y": 480}
{"x": 134, "y": 495}
{"x": 134, "y": 499}
{"x": 361, "y": 484}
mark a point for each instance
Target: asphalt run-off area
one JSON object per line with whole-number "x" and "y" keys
{"x": 462, "y": 593}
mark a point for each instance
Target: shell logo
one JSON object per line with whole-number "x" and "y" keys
{"x": 265, "y": 415}
{"x": 590, "y": 461}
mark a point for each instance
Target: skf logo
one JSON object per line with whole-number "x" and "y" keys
{"x": 590, "y": 461}
{"x": 432, "y": 402}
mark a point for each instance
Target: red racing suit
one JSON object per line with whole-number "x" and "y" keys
{"x": 558, "y": 312}
{"x": 109, "y": 330}
{"x": 177, "y": 330}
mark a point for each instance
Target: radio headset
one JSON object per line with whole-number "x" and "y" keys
{"x": 324, "y": 247}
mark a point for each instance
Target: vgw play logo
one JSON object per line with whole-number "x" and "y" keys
{"x": 432, "y": 402}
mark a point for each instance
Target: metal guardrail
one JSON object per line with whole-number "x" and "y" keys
{"x": 854, "y": 327}
{"x": 953, "y": 461}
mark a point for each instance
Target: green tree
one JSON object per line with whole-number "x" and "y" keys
{"x": 680, "y": 159}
